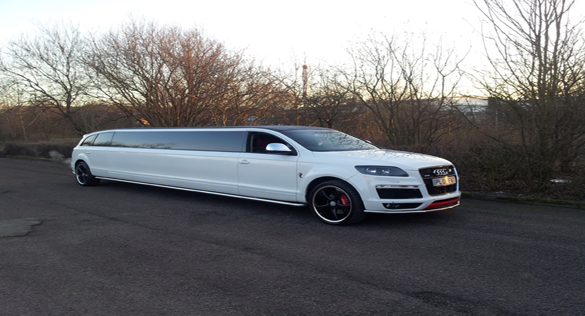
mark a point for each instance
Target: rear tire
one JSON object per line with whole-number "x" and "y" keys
{"x": 337, "y": 203}
{"x": 83, "y": 175}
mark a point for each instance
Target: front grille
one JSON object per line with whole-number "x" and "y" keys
{"x": 385, "y": 193}
{"x": 440, "y": 190}
{"x": 428, "y": 174}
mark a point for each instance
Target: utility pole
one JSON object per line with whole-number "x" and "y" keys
{"x": 304, "y": 91}
{"x": 305, "y": 79}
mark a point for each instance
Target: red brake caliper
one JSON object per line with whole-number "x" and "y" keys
{"x": 344, "y": 200}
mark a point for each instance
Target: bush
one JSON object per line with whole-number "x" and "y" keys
{"x": 488, "y": 167}
{"x": 40, "y": 149}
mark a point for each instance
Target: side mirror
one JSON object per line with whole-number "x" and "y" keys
{"x": 278, "y": 148}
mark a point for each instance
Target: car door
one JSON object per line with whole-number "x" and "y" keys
{"x": 267, "y": 174}
{"x": 97, "y": 155}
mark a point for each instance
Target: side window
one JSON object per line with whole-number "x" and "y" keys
{"x": 89, "y": 140}
{"x": 134, "y": 139}
{"x": 227, "y": 141}
{"x": 257, "y": 143}
{"x": 103, "y": 139}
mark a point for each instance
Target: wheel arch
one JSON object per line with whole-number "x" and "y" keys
{"x": 79, "y": 160}
{"x": 317, "y": 181}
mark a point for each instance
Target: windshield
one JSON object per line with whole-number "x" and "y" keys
{"x": 328, "y": 140}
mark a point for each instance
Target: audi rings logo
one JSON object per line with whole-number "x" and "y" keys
{"x": 441, "y": 172}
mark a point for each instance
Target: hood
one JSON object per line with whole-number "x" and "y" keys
{"x": 384, "y": 157}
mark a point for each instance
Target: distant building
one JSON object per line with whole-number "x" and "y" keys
{"x": 474, "y": 109}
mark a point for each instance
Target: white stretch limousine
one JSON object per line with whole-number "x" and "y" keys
{"x": 340, "y": 176}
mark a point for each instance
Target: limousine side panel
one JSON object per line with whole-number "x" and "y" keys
{"x": 200, "y": 170}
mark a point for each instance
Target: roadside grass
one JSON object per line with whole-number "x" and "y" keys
{"x": 515, "y": 198}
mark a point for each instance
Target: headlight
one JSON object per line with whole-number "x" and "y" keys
{"x": 382, "y": 171}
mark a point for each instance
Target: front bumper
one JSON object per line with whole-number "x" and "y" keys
{"x": 412, "y": 194}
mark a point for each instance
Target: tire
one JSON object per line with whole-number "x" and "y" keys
{"x": 337, "y": 203}
{"x": 83, "y": 175}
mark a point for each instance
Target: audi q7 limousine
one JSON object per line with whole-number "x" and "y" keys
{"x": 339, "y": 176}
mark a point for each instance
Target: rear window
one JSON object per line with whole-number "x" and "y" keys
{"x": 89, "y": 140}
{"x": 230, "y": 141}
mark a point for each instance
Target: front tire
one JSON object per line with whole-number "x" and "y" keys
{"x": 83, "y": 175}
{"x": 337, "y": 203}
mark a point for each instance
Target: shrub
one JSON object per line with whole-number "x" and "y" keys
{"x": 488, "y": 167}
{"x": 40, "y": 149}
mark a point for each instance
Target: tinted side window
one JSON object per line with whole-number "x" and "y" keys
{"x": 139, "y": 140}
{"x": 221, "y": 141}
{"x": 89, "y": 140}
{"x": 103, "y": 139}
{"x": 230, "y": 141}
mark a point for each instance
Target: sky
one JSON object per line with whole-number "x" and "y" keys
{"x": 273, "y": 32}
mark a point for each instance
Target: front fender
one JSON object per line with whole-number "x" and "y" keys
{"x": 310, "y": 172}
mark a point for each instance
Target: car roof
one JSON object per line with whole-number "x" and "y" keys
{"x": 280, "y": 128}
{"x": 276, "y": 128}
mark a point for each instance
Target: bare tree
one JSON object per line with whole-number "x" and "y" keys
{"x": 330, "y": 100}
{"x": 537, "y": 77}
{"x": 49, "y": 70}
{"x": 406, "y": 87}
{"x": 250, "y": 94}
{"x": 16, "y": 122}
{"x": 167, "y": 76}
{"x": 99, "y": 116}
{"x": 317, "y": 95}
{"x": 295, "y": 83}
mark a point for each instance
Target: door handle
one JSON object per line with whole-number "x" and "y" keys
{"x": 244, "y": 161}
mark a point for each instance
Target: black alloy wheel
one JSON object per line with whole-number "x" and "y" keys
{"x": 83, "y": 175}
{"x": 336, "y": 202}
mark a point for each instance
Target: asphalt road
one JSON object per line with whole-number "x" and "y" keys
{"x": 123, "y": 249}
